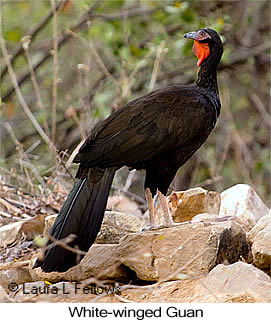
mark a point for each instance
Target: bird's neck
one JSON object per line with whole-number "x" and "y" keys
{"x": 207, "y": 78}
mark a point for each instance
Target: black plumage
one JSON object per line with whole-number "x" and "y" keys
{"x": 158, "y": 132}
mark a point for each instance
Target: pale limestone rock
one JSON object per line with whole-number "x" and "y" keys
{"x": 184, "y": 205}
{"x": 171, "y": 292}
{"x": 102, "y": 262}
{"x": 4, "y": 298}
{"x": 179, "y": 252}
{"x": 185, "y": 250}
{"x": 9, "y": 233}
{"x": 29, "y": 228}
{"x": 123, "y": 205}
{"x": 205, "y": 217}
{"x": 262, "y": 225}
{"x": 236, "y": 279}
{"x": 16, "y": 275}
{"x": 260, "y": 237}
{"x": 49, "y": 221}
{"x": 243, "y": 202}
{"x": 44, "y": 291}
{"x": 70, "y": 292}
{"x": 244, "y": 297}
{"x": 33, "y": 227}
{"x": 116, "y": 225}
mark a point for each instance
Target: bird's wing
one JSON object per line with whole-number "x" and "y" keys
{"x": 144, "y": 128}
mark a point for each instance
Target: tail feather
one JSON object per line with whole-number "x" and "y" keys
{"x": 82, "y": 215}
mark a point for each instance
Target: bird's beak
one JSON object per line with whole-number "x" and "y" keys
{"x": 200, "y": 48}
{"x": 197, "y": 35}
{"x": 192, "y": 35}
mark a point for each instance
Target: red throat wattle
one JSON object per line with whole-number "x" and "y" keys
{"x": 201, "y": 50}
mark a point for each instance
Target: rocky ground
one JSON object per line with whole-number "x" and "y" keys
{"x": 219, "y": 250}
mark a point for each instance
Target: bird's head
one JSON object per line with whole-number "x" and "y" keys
{"x": 207, "y": 45}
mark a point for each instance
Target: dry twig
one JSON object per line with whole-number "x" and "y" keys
{"x": 14, "y": 265}
{"x": 55, "y": 70}
{"x": 157, "y": 62}
{"x": 18, "y": 91}
{"x": 80, "y": 26}
{"x": 32, "y": 34}
{"x": 35, "y": 85}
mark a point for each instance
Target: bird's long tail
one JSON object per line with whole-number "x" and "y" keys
{"x": 82, "y": 215}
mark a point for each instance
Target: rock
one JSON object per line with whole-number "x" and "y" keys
{"x": 205, "y": 217}
{"x": 49, "y": 221}
{"x": 116, "y": 225}
{"x": 185, "y": 205}
{"x": 17, "y": 275}
{"x": 172, "y": 292}
{"x": 260, "y": 237}
{"x": 222, "y": 298}
{"x": 9, "y": 233}
{"x": 4, "y": 298}
{"x": 262, "y": 225}
{"x": 102, "y": 262}
{"x": 124, "y": 205}
{"x": 243, "y": 202}
{"x": 185, "y": 250}
{"x": 33, "y": 227}
{"x": 235, "y": 279}
{"x": 29, "y": 228}
{"x": 43, "y": 291}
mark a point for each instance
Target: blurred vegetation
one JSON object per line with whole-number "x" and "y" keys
{"x": 77, "y": 64}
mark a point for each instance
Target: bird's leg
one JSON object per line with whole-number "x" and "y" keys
{"x": 153, "y": 206}
{"x": 149, "y": 199}
{"x": 165, "y": 209}
{"x": 155, "y": 203}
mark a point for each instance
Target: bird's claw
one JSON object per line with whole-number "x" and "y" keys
{"x": 157, "y": 227}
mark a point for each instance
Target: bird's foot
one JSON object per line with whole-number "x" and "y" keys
{"x": 148, "y": 228}
{"x": 158, "y": 226}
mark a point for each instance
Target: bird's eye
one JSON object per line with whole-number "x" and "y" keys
{"x": 202, "y": 33}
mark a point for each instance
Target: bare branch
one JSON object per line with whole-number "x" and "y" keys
{"x": 260, "y": 107}
{"x": 36, "y": 87}
{"x": 64, "y": 244}
{"x": 18, "y": 91}
{"x": 55, "y": 70}
{"x": 66, "y": 36}
{"x": 13, "y": 265}
{"x": 32, "y": 34}
{"x": 156, "y": 66}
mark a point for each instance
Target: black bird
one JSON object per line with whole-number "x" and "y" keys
{"x": 157, "y": 132}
